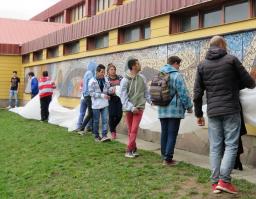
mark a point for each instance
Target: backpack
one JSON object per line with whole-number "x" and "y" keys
{"x": 160, "y": 89}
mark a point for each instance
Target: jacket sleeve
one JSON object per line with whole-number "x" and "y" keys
{"x": 93, "y": 90}
{"x": 246, "y": 81}
{"x": 198, "y": 93}
{"x": 147, "y": 93}
{"x": 183, "y": 93}
{"x": 127, "y": 105}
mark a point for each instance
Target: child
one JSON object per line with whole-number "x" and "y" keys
{"x": 115, "y": 105}
{"x": 99, "y": 89}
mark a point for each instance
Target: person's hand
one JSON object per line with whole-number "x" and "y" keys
{"x": 107, "y": 97}
{"x": 201, "y": 121}
{"x": 135, "y": 111}
{"x": 190, "y": 110}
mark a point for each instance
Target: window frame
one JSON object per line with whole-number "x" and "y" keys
{"x": 140, "y": 26}
{"x": 67, "y": 46}
{"x": 52, "y": 48}
{"x": 91, "y": 41}
{"x": 38, "y": 55}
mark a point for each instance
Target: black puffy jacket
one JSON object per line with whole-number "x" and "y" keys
{"x": 222, "y": 76}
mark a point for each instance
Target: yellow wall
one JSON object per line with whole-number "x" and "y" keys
{"x": 7, "y": 65}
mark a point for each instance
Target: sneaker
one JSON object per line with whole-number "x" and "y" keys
{"x": 8, "y": 107}
{"x": 129, "y": 155}
{"x": 97, "y": 139}
{"x": 214, "y": 190}
{"x": 169, "y": 163}
{"x": 227, "y": 187}
{"x": 105, "y": 139}
{"x": 88, "y": 130}
{"x": 81, "y": 132}
{"x": 135, "y": 153}
{"x": 113, "y": 135}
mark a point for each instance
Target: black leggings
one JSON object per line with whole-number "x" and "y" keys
{"x": 44, "y": 102}
{"x": 115, "y": 113}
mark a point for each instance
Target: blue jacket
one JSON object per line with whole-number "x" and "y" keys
{"x": 34, "y": 86}
{"x": 181, "y": 101}
{"x": 91, "y": 67}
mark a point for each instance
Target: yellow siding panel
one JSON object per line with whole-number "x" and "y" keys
{"x": 69, "y": 102}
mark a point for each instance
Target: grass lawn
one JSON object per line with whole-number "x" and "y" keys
{"x": 38, "y": 160}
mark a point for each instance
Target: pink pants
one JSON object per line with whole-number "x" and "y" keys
{"x": 132, "y": 121}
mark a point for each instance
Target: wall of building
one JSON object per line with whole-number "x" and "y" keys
{"x": 8, "y": 64}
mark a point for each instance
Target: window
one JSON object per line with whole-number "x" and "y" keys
{"x": 237, "y": 12}
{"x": 212, "y": 18}
{"x": 97, "y": 42}
{"x": 38, "y": 55}
{"x": 25, "y": 58}
{"x": 103, "y": 4}
{"x": 71, "y": 48}
{"x": 58, "y": 19}
{"x": 53, "y": 52}
{"x": 76, "y": 13}
{"x": 189, "y": 23}
{"x": 135, "y": 33}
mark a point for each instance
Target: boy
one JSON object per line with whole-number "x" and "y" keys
{"x": 134, "y": 94}
{"x": 99, "y": 89}
{"x": 15, "y": 80}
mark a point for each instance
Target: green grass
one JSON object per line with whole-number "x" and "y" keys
{"x": 38, "y": 160}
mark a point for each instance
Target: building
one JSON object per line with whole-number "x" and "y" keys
{"x": 113, "y": 30}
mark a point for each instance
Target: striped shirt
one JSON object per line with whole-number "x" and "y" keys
{"x": 46, "y": 86}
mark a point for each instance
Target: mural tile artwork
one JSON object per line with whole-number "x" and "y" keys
{"x": 68, "y": 74}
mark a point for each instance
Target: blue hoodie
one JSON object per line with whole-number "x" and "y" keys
{"x": 181, "y": 100}
{"x": 90, "y": 72}
{"x": 34, "y": 86}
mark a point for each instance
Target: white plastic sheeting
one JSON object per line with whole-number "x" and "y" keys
{"x": 68, "y": 118}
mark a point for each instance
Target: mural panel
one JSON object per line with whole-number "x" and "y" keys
{"x": 68, "y": 74}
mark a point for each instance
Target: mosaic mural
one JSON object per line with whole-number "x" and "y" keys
{"x": 68, "y": 74}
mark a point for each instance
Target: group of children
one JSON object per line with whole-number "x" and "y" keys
{"x": 99, "y": 100}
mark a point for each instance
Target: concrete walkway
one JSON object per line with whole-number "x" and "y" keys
{"x": 248, "y": 174}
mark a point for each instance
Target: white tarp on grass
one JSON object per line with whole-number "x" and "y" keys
{"x": 68, "y": 118}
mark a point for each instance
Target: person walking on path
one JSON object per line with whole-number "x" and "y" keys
{"x": 171, "y": 115}
{"x": 46, "y": 86}
{"x": 86, "y": 102}
{"x": 134, "y": 94}
{"x": 100, "y": 91}
{"x": 34, "y": 84}
{"x": 13, "y": 93}
{"x": 115, "y": 104}
{"x": 221, "y": 75}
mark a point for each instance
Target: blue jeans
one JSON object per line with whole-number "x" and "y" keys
{"x": 13, "y": 94}
{"x": 224, "y": 132}
{"x": 84, "y": 104}
{"x": 97, "y": 113}
{"x": 169, "y": 131}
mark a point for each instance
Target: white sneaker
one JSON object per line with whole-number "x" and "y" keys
{"x": 135, "y": 153}
{"x": 105, "y": 139}
{"x": 8, "y": 107}
{"x": 129, "y": 155}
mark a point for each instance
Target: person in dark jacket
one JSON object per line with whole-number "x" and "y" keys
{"x": 220, "y": 75}
{"x": 34, "y": 84}
{"x": 115, "y": 104}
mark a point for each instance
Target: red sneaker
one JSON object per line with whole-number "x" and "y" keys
{"x": 214, "y": 190}
{"x": 227, "y": 187}
{"x": 113, "y": 135}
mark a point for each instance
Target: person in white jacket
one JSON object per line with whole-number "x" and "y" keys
{"x": 99, "y": 89}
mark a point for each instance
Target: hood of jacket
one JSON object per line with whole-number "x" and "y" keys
{"x": 215, "y": 52}
{"x": 168, "y": 69}
{"x": 92, "y": 67}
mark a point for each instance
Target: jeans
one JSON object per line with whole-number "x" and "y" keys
{"x": 82, "y": 122}
{"x": 133, "y": 122}
{"x": 224, "y": 132}
{"x": 97, "y": 113}
{"x": 13, "y": 94}
{"x": 169, "y": 131}
{"x": 45, "y": 102}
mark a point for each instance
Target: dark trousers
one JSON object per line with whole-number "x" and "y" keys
{"x": 33, "y": 95}
{"x": 44, "y": 102}
{"x": 89, "y": 115}
{"x": 169, "y": 132}
{"x": 115, "y": 113}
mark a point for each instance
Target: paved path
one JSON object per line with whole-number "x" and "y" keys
{"x": 248, "y": 174}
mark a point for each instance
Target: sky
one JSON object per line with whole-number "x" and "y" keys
{"x": 23, "y": 9}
